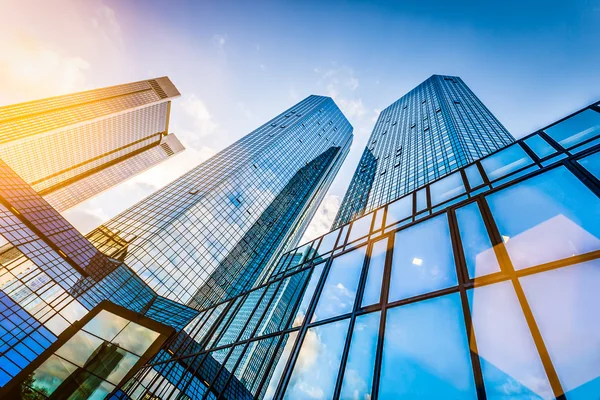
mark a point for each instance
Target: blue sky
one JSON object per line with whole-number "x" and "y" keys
{"x": 238, "y": 64}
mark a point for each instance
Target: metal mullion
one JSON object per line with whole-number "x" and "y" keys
{"x": 553, "y": 143}
{"x": 302, "y": 332}
{"x": 463, "y": 276}
{"x": 507, "y": 267}
{"x": 537, "y": 160}
{"x": 564, "y": 262}
{"x": 263, "y": 380}
{"x": 385, "y": 287}
{"x": 588, "y": 179}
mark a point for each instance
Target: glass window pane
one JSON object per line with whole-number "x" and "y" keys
{"x": 328, "y": 241}
{"x": 423, "y": 260}
{"x": 372, "y": 291}
{"x": 316, "y": 368}
{"x": 540, "y": 147}
{"x": 399, "y": 210}
{"x": 111, "y": 363}
{"x": 308, "y": 295}
{"x": 358, "y": 375}
{"x": 592, "y": 164}
{"x": 510, "y": 362}
{"x": 505, "y": 161}
{"x": 474, "y": 176}
{"x": 48, "y": 376}
{"x": 477, "y": 247}
{"x": 422, "y": 199}
{"x": 378, "y": 219}
{"x": 426, "y": 352}
{"x": 87, "y": 386}
{"x": 288, "y": 342}
{"x": 361, "y": 227}
{"x": 580, "y": 127}
{"x": 106, "y": 325}
{"x": 546, "y": 218}
{"x": 446, "y": 189}
{"x": 136, "y": 338}
{"x": 565, "y": 302}
{"x": 79, "y": 348}
{"x": 340, "y": 287}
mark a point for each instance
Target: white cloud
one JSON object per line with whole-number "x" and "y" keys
{"x": 202, "y": 120}
{"x": 341, "y": 84}
{"x": 219, "y": 40}
{"x": 321, "y": 222}
{"x": 376, "y": 115}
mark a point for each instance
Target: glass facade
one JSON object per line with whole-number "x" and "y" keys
{"x": 487, "y": 290}
{"x": 436, "y": 128}
{"x": 215, "y": 231}
{"x": 72, "y": 147}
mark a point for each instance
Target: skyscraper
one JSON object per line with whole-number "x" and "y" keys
{"x": 434, "y": 129}
{"x": 210, "y": 234}
{"x": 72, "y": 147}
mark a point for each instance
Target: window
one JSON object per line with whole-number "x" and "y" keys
{"x": 339, "y": 290}
{"x": 505, "y": 162}
{"x": 308, "y": 294}
{"x": 477, "y": 247}
{"x": 316, "y": 372}
{"x": 546, "y": 218}
{"x": 576, "y": 129}
{"x": 473, "y": 176}
{"x": 540, "y": 147}
{"x": 288, "y": 343}
{"x": 446, "y": 188}
{"x": 426, "y": 352}
{"x": 592, "y": 164}
{"x": 423, "y": 261}
{"x": 360, "y": 227}
{"x": 372, "y": 291}
{"x": 422, "y": 199}
{"x": 399, "y": 210}
{"x": 358, "y": 375}
{"x": 569, "y": 323}
{"x": 510, "y": 362}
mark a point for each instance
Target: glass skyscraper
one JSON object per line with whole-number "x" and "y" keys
{"x": 485, "y": 288}
{"x": 72, "y": 147}
{"x": 212, "y": 233}
{"x": 436, "y": 128}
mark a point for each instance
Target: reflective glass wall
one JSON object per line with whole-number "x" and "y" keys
{"x": 482, "y": 284}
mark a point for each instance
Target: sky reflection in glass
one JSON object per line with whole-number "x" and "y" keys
{"x": 479, "y": 253}
{"x": 505, "y": 161}
{"x": 540, "y": 147}
{"x": 308, "y": 295}
{"x": 546, "y": 218}
{"x": 423, "y": 260}
{"x": 372, "y": 291}
{"x": 360, "y": 227}
{"x": 510, "y": 362}
{"x": 426, "y": 352}
{"x": 474, "y": 176}
{"x": 316, "y": 369}
{"x": 564, "y": 303}
{"x": 288, "y": 342}
{"x": 399, "y": 210}
{"x": 339, "y": 290}
{"x": 358, "y": 375}
{"x": 446, "y": 189}
{"x": 592, "y": 164}
{"x": 576, "y": 129}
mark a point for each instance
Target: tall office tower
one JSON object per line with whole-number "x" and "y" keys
{"x": 434, "y": 129}
{"x": 72, "y": 147}
{"x": 211, "y": 233}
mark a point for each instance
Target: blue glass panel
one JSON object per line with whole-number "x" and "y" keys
{"x": 339, "y": 290}
{"x": 446, "y": 189}
{"x": 316, "y": 369}
{"x": 423, "y": 260}
{"x": 358, "y": 375}
{"x": 361, "y": 227}
{"x": 308, "y": 295}
{"x": 328, "y": 242}
{"x": 592, "y": 164}
{"x": 281, "y": 360}
{"x": 510, "y": 362}
{"x": 477, "y": 247}
{"x": 426, "y": 352}
{"x": 473, "y": 176}
{"x": 505, "y": 161}
{"x": 585, "y": 146}
{"x": 546, "y": 218}
{"x": 372, "y": 291}
{"x": 578, "y": 128}
{"x": 564, "y": 303}
{"x": 399, "y": 210}
{"x": 540, "y": 147}
{"x": 421, "y": 199}
{"x": 553, "y": 160}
